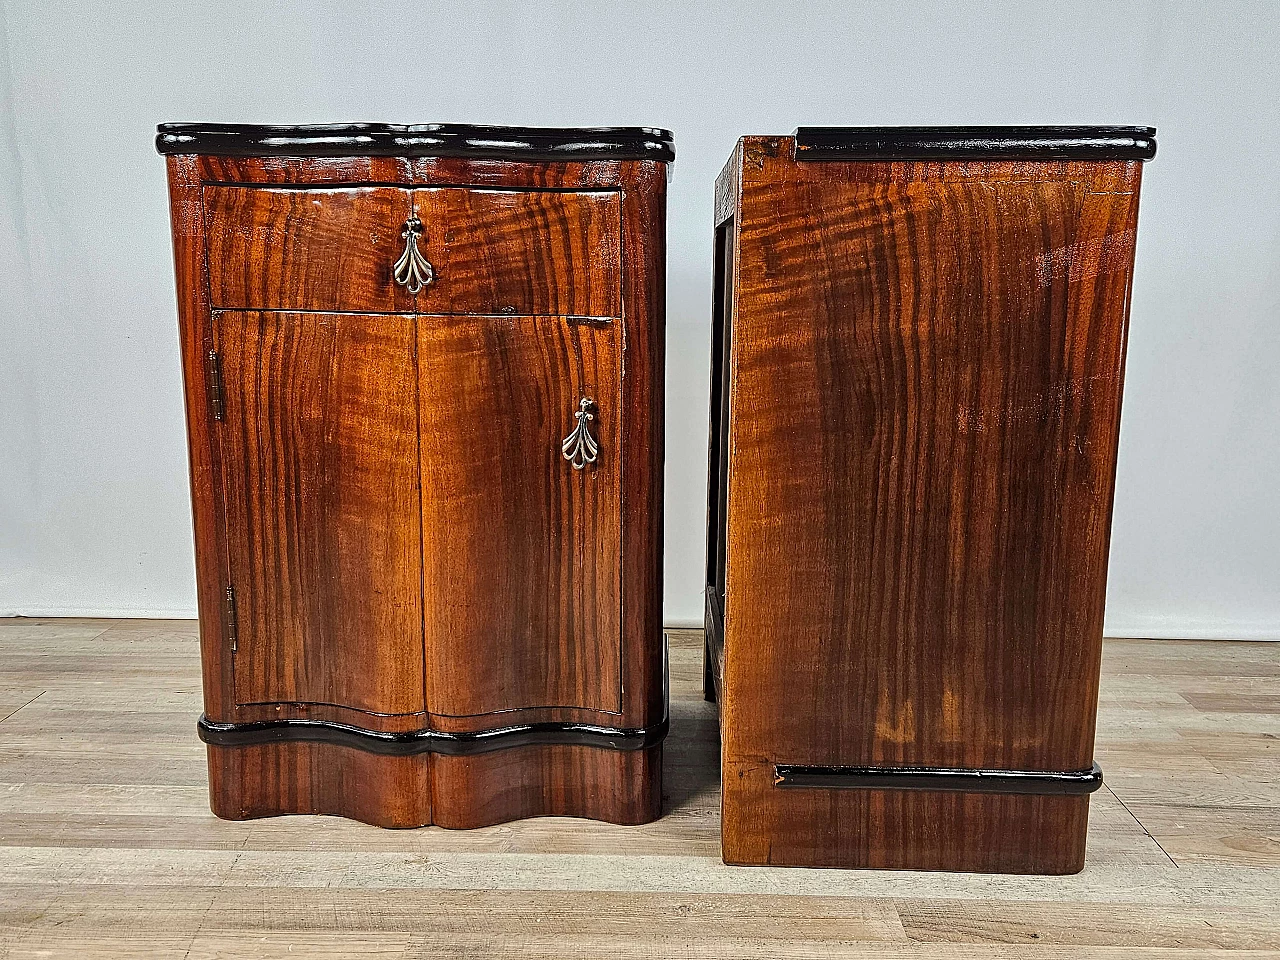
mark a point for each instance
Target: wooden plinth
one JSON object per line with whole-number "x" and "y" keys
{"x": 272, "y": 779}
{"x": 765, "y": 825}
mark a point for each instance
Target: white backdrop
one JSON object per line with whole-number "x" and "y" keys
{"x": 94, "y": 517}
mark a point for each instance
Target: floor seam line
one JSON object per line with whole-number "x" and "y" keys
{"x": 1142, "y": 825}
{"x": 27, "y": 704}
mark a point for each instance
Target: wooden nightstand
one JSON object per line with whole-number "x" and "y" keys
{"x": 424, "y": 387}
{"x": 918, "y": 354}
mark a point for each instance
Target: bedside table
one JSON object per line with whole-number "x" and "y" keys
{"x": 918, "y": 353}
{"x": 424, "y": 390}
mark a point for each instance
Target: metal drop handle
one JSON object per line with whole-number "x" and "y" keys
{"x": 579, "y": 447}
{"x": 413, "y": 271}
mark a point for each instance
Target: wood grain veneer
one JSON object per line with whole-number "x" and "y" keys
{"x": 264, "y": 246}
{"x": 529, "y": 252}
{"x": 514, "y": 542}
{"x": 916, "y": 423}
{"x": 393, "y": 557}
{"x": 265, "y": 780}
{"x": 320, "y": 488}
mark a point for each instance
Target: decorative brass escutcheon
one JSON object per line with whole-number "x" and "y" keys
{"x": 579, "y": 447}
{"x": 413, "y": 271}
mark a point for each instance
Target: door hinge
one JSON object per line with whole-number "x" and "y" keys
{"x": 213, "y": 364}
{"x": 229, "y": 617}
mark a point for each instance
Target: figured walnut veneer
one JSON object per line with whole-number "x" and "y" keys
{"x": 916, "y": 410}
{"x": 413, "y": 609}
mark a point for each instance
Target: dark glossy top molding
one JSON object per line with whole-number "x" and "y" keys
{"x": 420, "y": 140}
{"x": 975, "y": 143}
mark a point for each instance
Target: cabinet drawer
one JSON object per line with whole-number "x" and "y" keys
{"x": 274, "y": 249}
{"x": 525, "y": 252}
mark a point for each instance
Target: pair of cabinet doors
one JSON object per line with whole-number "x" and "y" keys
{"x": 397, "y": 502}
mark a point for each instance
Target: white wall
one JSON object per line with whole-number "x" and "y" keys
{"x": 93, "y": 499}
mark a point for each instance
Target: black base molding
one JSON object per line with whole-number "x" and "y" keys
{"x": 1035, "y": 782}
{"x": 429, "y": 741}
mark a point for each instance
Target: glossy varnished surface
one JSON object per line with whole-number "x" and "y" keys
{"x": 616, "y": 786}
{"x": 529, "y": 252}
{"x": 521, "y": 251}
{"x": 927, "y": 488}
{"x": 521, "y": 553}
{"x": 975, "y": 143}
{"x": 416, "y": 140}
{"x": 459, "y": 792}
{"x": 896, "y": 829}
{"x": 529, "y": 288}
{"x": 453, "y": 743}
{"x": 319, "y": 460}
{"x": 249, "y": 782}
{"x": 108, "y": 848}
{"x": 264, "y": 248}
{"x": 925, "y": 384}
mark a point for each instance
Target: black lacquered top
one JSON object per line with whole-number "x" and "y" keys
{"x": 975, "y": 143}
{"x": 418, "y": 140}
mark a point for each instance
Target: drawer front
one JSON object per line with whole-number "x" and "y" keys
{"x": 274, "y": 249}
{"x": 520, "y": 252}
{"x": 523, "y": 252}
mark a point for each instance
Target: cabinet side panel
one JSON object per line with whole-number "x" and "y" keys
{"x": 196, "y": 340}
{"x": 898, "y": 829}
{"x": 644, "y": 288}
{"x": 924, "y": 425}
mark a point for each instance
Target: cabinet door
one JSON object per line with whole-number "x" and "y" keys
{"x": 521, "y": 550}
{"x": 320, "y": 476}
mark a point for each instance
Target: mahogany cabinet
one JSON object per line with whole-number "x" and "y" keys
{"x": 918, "y": 352}
{"x": 424, "y": 387}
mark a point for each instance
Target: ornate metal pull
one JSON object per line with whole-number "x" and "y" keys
{"x": 579, "y": 447}
{"x": 413, "y": 271}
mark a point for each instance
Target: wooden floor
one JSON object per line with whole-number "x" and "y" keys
{"x": 107, "y": 847}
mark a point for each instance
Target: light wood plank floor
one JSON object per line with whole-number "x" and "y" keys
{"x": 107, "y": 847}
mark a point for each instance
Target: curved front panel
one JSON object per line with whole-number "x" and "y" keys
{"x": 521, "y": 514}
{"x": 320, "y": 477}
